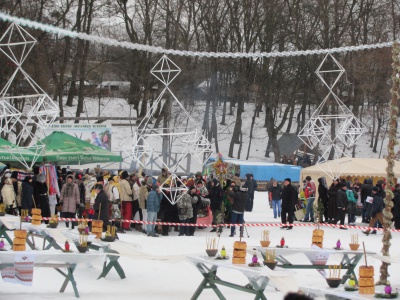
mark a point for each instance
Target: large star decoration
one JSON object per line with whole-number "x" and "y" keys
{"x": 220, "y": 167}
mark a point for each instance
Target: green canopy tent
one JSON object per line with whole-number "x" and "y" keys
{"x": 62, "y": 148}
{"x": 10, "y": 152}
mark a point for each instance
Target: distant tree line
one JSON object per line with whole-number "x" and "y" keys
{"x": 284, "y": 88}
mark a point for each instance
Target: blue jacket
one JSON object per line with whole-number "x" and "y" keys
{"x": 153, "y": 201}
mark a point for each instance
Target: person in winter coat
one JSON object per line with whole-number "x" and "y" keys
{"x": 153, "y": 206}
{"x": 275, "y": 193}
{"x": 323, "y": 198}
{"x": 27, "y": 194}
{"x": 8, "y": 195}
{"x": 216, "y": 197}
{"x": 199, "y": 196}
{"x": 238, "y": 197}
{"x": 126, "y": 199}
{"x": 289, "y": 197}
{"x": 251, "y": 186}
{"x": 366, "y": 191}
{"x": 100, "y": 206}
{"x": 169, "y": 211}
{"x": 163, "y": 177}
{"x": 40, "y": 194}
{"x": 134, "y": 183}
{"x": 185, "y": 209}
{"x": 332, "y": 197}
{"x": 341, "y": 204}
{"x": 352, "y": 206}
{"x": 376, "y": 210}
{"x": 396, "y": 206}
{"x": 309, "y": 192}
{"x": 70, "y": 199}
{"x": 143, "y": 193}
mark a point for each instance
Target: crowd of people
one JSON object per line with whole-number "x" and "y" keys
{"x": 125, "y": 196}
{"x": 343, "y": 197}
{"x": 119, "y": 197}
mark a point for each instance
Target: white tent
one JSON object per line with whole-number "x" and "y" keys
{"x": 360, "y": 168}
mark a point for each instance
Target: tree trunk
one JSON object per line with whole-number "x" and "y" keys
{"x": 387, "y": 212}
{"x": 251, "y": 130}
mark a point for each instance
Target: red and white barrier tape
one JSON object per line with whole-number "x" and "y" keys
{"x": 224, "y": 225}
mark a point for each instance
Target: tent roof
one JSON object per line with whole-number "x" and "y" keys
{"x": 361, "y": 167}
{"x": 63, "y": 148}
{"x": 288, "y": 143}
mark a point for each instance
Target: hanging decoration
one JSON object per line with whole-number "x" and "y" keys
{"x": 168, "y": 136}
{"x": 38, "y": 110}
{"x": 317, "y": 131}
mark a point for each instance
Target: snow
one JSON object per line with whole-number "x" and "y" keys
{"x": 157, "y": 268}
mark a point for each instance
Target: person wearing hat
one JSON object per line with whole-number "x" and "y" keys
{"x": 251, "y": 186}
{"x": 289, "y": 197}
{"x": 101, "y": 205}
{"x": 69, "y": 199}
{"x": 376, "y": 210}
{"x": 341, "y": 204}
{"x": 126, "y": 200}
{"x": 8, "y": 194}
{"x": 153, "y": 207}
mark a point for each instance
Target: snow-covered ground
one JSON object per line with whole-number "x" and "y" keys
{"x": 157, "y": 268}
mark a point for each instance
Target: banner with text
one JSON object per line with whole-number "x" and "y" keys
{"x": 96, "y": 134}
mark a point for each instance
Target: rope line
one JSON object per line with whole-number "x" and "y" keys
{"x": 155, "y": 49}
{"x": 227, "y": 224}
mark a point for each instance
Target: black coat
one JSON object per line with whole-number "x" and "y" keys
{"x": 332, "y": 203}
{"x": 289, "y": 197}
{"x": 27, "y": 196}
{"x": 276, "y": 192}
{"x": 239, "y": 200}
{"x": 366, "y": 190}
{"x": 341, "y": 199}
{"x": 102, "y": 199}
{"x": 216, "y": 196}
{"x": 377, "y": 205}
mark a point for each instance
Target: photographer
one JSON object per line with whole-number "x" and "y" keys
{"x": 238, "y": 197}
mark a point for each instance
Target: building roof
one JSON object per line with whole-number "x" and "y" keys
{"x": 288, "y": 143}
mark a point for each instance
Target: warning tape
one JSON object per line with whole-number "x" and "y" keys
{"x": 227, "y": 224}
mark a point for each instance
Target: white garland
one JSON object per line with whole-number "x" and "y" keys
{"x": 153, "y": 49}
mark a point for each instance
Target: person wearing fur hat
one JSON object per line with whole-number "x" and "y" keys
{"x": 126, "y": 199}
{"x": 40, "y": 195}
{"x": 8, "y": 194}
{"x": 27, "y": 194}
{"x": 70, "y": 199}
{"x": 135, "y": 185}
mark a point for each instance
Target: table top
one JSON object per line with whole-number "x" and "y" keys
{"x": 292, "y": 251}
{"x": 53, "y": 256}
{"x": 244, "y": 268}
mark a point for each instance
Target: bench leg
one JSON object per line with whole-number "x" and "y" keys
{"x": 69, "y": 278}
